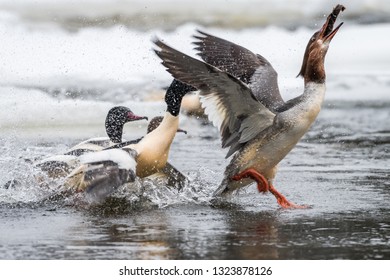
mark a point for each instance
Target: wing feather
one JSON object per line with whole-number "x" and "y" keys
{"x": 227, "y": 101}
{"x": 250, "y": 68}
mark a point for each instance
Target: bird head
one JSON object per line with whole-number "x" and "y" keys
{"x": 318, "y": 45}
{"x": 116, "y": 118}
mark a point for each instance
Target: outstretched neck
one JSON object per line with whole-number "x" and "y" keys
{"x": 153, "y": 149}
{"x": 161, "y": 138}
{"x": 311, "y": 102}
{"x": 315, "y": 71}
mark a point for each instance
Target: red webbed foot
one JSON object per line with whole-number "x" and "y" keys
{"x": 263, "y": 186}
{"x": 282, "y": 200}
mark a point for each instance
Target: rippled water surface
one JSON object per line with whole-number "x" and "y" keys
{"x": 341, "y": 168}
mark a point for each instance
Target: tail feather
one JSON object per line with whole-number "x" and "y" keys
{"x": 223, "y": 188}
{"x": 228, "y": 186}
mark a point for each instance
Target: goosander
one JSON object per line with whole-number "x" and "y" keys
{"x": 104, "y": 171}
{"x": 254, "y": 121}
{"x": 117, "y": 117}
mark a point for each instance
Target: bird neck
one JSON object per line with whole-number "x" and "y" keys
{"x": 163, "y": 135}
{"x": 310, "y": 103}
{"x": 153, "y": 149}
{"x": 114, "y": 132}
{"x": 315, "y": 70}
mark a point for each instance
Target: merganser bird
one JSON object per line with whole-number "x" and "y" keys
{"x": 108, "y": 169}
{"x": 117, "y": 117}
{"x": 254, "y": 121}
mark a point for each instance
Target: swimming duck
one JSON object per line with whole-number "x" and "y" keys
{"x": 254, "y": 121}
{"x": 108, "y": 169}
{"x": 117, "y": 117}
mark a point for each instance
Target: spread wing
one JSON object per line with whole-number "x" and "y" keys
{"x": 252, "y": 69}
{"x": 228, "y": 102}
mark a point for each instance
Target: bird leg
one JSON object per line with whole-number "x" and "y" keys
{"x": 262, "y": 183}
{"x": 263, "y": 186}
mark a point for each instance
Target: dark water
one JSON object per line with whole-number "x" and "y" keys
{"x": 341, "y": 168}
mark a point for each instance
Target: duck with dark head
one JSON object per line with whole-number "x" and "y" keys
{"x": 241, "y": 97}
{"x": 104, "y": 171}
{"x": 61, "y": 165}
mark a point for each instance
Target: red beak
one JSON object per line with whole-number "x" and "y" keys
{"x": 132, "y": 117}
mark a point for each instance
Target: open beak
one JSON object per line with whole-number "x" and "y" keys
{"x": 330, "y": 36}
{"x": 327, "y": 32}
{"x": 133, "y": 117}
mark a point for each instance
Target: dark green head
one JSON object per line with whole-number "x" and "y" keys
{"x": 116, "y": 119}
{"x": 175, "y": 94}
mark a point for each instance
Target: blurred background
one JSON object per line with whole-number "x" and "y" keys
{"x": 101, "y": 49}
{"x": 168, "y": 14}
{"x": 68, "y": 56}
